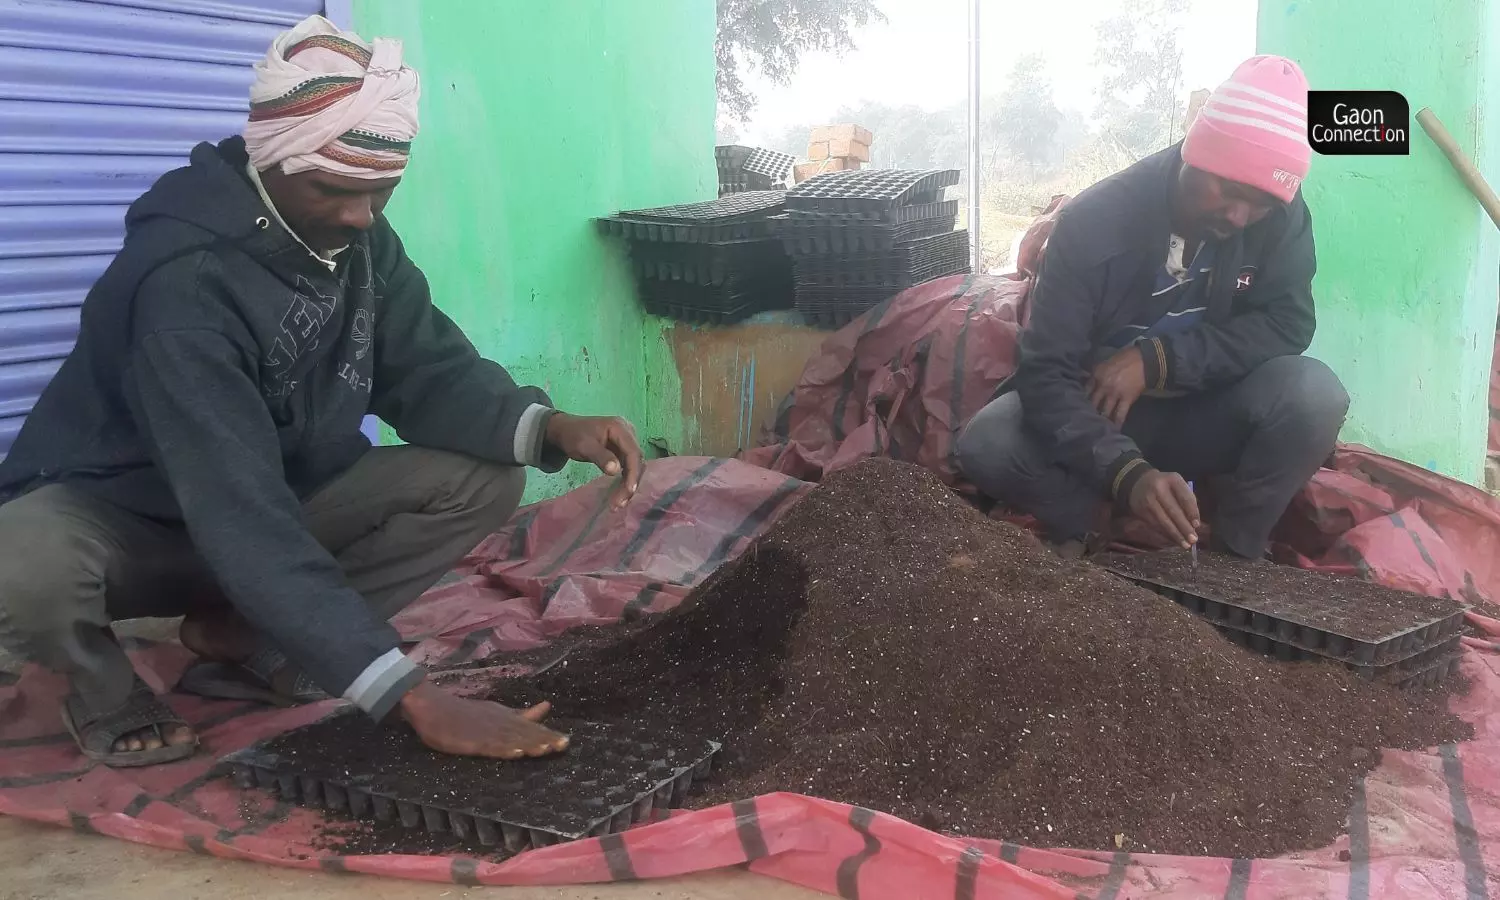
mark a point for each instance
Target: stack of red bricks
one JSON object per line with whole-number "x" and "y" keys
{"x": 835, "y": 148}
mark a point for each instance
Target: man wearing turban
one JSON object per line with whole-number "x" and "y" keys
{"x": 199, "y": 453}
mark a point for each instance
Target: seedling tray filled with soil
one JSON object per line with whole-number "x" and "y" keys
{"x": 1286, "y": 610}
{"x": 610, "y": 777}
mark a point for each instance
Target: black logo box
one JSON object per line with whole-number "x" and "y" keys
{"x": 1359, "y": 123}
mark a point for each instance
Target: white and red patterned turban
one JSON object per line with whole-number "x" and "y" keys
{"x": 324, "y": 99}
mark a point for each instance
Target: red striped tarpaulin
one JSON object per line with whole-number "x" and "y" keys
{"x": 1425, "y": 825}
{"x": 898, "y": 382}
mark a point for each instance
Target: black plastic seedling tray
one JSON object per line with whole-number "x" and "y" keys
{"x": 714, "y": 304}
{"x": 771, "y": 164}
{"x": 897, "y": 215}
{"x": 629, "y": 773}
{"x": 735, "y": 217}
{"x": 711, "y": 264}
{"x": 739, "y": 208}
{"x": 1303, "y": 631}
{"x": 748, "y": 181}
{"x": 862, "y": 284}
{"x": 912, "y": 262}
{"x": 806, "y": 238}
{"x": 685, "y": 234}
{"x": 868, "y": 190}
{"x": 854, "y": 294}
{"x": 731, "y": 157}
{"x": 1422, "y": 670}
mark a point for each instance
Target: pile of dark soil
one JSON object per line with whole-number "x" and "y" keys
{"x": 886, "y": 645}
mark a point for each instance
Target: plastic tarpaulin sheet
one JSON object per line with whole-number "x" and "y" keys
{"x": 1423, "y": 825}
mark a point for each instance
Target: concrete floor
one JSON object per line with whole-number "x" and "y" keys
{"x": 41, "y": 862}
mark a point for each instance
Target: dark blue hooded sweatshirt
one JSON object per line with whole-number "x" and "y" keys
{"x": 220, "y": 378}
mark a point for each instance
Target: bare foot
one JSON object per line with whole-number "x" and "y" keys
{"x": 155, "y": 737}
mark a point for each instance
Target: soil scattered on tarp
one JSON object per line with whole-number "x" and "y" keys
{"x": 885, "y": 645}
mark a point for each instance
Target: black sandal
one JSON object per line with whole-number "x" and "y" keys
{"x": 250, "y": 681}
{"x": 96, "y": 732}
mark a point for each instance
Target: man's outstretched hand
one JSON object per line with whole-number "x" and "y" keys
{"x": 607, "y": 442}
{"x": 465, "y": 727}
{"x": 1117, "y": 383}
{"x": 1164, "y": 501}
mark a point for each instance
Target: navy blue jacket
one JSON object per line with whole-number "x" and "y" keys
{"x": 220, "y": 378}
{"x": 1097, "y": 277}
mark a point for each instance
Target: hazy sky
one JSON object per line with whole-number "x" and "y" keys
{"x": 919, "y": 55}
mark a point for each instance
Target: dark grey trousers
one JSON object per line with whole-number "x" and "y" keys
{"x": 1267, "y": 434}
{"x": 70, "y": 564}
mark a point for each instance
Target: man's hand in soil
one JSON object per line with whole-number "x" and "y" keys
{"x": 1117, "y": 383}
{"x": 465, "y": 727}
{"x": 1164, "y": 501}
{"x": 607, "y": 442}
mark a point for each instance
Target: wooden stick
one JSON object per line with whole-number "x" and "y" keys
{"x": 1470, "y": 175}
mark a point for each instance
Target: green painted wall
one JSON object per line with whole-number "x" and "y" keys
{"x": 1408, "y": 265}
{"x": 537, "y": 116}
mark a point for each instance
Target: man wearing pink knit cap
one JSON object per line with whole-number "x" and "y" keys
{"x": 199, "y": 453}
{"x": 1168, "y": 320}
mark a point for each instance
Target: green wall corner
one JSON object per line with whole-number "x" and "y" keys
{"x": 538, "y": 117}
{"x": 1408, "y": 264}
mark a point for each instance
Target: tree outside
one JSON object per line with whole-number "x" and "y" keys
{"x": 1032, "y": 149}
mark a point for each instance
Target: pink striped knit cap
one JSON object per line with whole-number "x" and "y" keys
{"x": 1253, "y": 129}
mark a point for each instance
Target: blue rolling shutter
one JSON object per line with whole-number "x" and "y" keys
{"x": 97, "y": 99}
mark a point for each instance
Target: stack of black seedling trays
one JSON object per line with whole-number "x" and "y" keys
{"x": 744, "y": 169}
{"x": 859, "y": 237}
{"x": 1420, "y": 653}
{"x": 715, "y": 262}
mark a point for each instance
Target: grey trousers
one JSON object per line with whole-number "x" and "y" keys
{"x": 70, "y": 564}
{"x": 1266, "y": 434}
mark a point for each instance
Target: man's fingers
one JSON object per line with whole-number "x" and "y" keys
{"x": 1182, "y": 523}
{"x": 536, "y": 739}
{"x": 1187, "y": 500}
{"x": 1157, "y": 517}
{"x": 597, "y": 453}
{"x": 625, "y": 446}
{"x": 1122, "y": 411}
{"x": 1112, "y": 408}
{"x": 1165, "y": 521}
